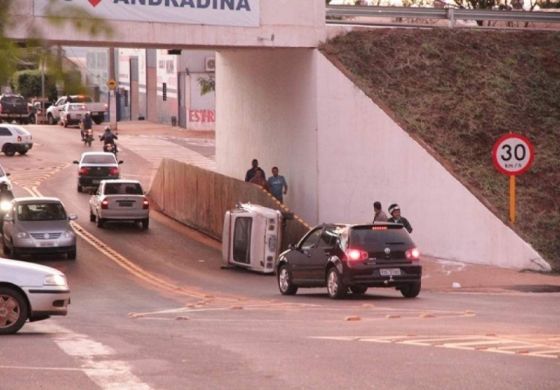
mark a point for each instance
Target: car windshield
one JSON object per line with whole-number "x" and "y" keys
{"x": 20, "y": 131}
{"x": 123, "y": 188}
{"x": 99, "y": 159}
{"x": 372, "y": 238}
{"x": 41, "y": 212}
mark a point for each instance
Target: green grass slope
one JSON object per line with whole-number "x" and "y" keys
{"x": 457, "y": 92}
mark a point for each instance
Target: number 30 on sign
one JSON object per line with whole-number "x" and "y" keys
{"x": 513, "y": 154}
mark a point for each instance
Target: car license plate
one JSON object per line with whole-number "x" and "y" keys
{"x": 44, "y": 244}
{"x": 390, "y": 272}
{"x": 125, "y": 204}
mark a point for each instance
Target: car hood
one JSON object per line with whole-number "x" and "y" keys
{"x": 23, "y": 273}
{"x": 43, "y": 226}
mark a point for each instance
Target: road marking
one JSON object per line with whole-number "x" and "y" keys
{"x": 520, "y": 345}
{"x": 94, "y": 358}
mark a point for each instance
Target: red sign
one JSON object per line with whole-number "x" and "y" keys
{"x": 513, "y": 154}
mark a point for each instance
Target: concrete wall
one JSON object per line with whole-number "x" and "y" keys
{"x": 283, "y": 23}
{"x": 340, "y": 152}
{"x": 266, "y": 109}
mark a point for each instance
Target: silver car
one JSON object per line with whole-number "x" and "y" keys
{"x": 36, "y": 226}
{"x": 119, "y": 200}
{"x": 30, "y": 291}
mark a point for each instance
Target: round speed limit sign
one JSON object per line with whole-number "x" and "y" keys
{"x": 513, "y": 154}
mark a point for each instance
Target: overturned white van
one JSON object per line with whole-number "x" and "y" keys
{"x": 251, "y": 237}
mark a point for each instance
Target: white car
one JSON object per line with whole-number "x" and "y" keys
{"x": 119, "y": 200}
{"x": 5, "y": 178}
{"x": 72, "y": 114}
{"x": 30, "y": 291}
{"x": 14, "y": 138}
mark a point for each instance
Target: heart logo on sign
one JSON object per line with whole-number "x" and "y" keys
{"x": 94, "y": 2}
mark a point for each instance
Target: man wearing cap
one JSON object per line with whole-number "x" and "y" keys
{"x": 395, "y": 212}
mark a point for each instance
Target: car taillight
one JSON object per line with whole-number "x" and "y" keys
{"x": 146, "y": 204}
{"x": 379, "y": 228}
{"x": 355, "y": 256}
{"x": 114, "y": 171}
{"x": 104, "y": 204}
{"x": 412, "y": 254}
{"x": 83, "y": 171}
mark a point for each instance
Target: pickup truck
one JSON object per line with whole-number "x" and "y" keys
{"x": 96, "y": 109}
{"x": 13, "y": 107}
{"x": 72, "y": 114}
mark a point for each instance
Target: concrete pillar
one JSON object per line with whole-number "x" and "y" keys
{"x": 134, "y": 89}
{"x": 151, "y": 85}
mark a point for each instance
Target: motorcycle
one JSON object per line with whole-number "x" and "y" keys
{"x": 88, "y": 137}
{"x": 110, "y": 148}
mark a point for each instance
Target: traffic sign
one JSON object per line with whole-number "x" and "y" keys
{"x": 513, "y": 154}
{"x": 111, "y": 84}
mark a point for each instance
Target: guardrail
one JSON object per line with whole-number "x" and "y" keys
{"x": 337, "y": 13}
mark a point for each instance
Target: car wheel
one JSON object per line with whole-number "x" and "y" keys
{"x": 411, "y": 290}
{"x": 13, "y": 310}
{"x": 145, "y": 223}
{"x": 100, "y": 222}
{"x": 335, "y": 288}
{"x": 51, "y": 120}
{"x": 71, "y": 254}
{"x": 22, "y": 152}
{"x": 91, "y": 216}
{"x": 9, "y": 150}
{"x": 358, "y": 290}
{"x": 97, "y": 121}
{"x": 285, "y": 284}
{"x": 80, "y": 188}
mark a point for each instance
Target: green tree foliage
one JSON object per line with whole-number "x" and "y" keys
{"x": 34, "y": 50}
{"x": 28, "y": 83}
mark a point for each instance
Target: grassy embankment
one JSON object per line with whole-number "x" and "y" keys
{"x": 457, "y": 91}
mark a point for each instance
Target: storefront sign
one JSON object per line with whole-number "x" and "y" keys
{"x": 241, "y": 13}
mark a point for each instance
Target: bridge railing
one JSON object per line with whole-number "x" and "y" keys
{"x": 340, "y": 14}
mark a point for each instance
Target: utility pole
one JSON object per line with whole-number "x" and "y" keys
{"x": 112, "y": 95}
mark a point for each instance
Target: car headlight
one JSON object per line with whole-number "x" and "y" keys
{"x": 22, "y": 235}
{"x": 5, "y": 206}
{"x": 68, "y": 234}
{"x": 55, "y": 280}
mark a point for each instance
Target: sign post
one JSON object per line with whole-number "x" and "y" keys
{"x": 112, "y": 85}
{"x": 512, "y": 155}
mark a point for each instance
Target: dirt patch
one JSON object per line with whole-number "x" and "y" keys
{"x": 457, "y": 92}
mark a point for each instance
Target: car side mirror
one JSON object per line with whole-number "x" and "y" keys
{"x": 76, "y": 162}
{"x": 72, "y": 217}
{"x": 8, "y": 173}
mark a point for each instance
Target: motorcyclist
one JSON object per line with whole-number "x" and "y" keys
{"x": 86, "y": 123}
{"x": 108, "y": 137}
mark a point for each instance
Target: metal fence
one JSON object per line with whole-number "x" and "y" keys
{"x": 342, "y": 14}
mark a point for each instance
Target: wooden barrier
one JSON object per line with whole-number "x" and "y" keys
{"x": 199, "y": 199}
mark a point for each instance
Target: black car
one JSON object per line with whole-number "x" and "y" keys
{"x": 13, "y": 107}
{"x": 352, "y": 258}
{"x": 96, "y": 166}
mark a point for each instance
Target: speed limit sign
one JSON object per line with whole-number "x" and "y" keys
{"x": 513, "y": 154}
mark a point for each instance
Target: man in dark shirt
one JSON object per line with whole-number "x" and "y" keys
{"x": 395, "y": 212}
{"x": 251, "y": 172}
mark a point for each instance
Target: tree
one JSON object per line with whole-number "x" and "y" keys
{"x": 34, "y": 50}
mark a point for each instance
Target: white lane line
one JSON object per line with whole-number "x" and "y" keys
{"x": 94, "y": 358}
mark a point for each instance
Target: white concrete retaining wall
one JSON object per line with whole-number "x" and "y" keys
{"x": 340, "y": 152}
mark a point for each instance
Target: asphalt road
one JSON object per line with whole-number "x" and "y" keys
{"x": 154, "y": 310}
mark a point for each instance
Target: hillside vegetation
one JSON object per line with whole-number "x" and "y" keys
{"x": 457, "y": 92}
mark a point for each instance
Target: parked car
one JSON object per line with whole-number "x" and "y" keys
{"x": 72, "y": 114}
{"x": 96, "y": 166}
{"x": 13, "y": 107}
{"x": 352, "y": 258}
{"x": 30, "y": 291}
{"x": 38, "y": 226}
{"x": 96, "y": 109}
{"x": 14, "y": 138}
{"x": 119, "y": 200}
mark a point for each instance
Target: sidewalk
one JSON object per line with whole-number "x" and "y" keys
{"x": 439, "y": 275}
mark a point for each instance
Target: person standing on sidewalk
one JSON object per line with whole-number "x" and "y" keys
{"x": 253, "y": 170}
{"x": 378, "y": 213}
{"x": 396, "y": 217}
{"x": 277, "y": 185}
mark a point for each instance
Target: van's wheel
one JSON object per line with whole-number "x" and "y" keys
{"x": 80, "y": 189}
{"x": 51, "y": 120}
{"x": 13, "y": 310}
{"x": 22, "y": 152}
{"x": 411, "y": 290}
{"x": 285, "y": 284}
{"x": 335, "y": 287}
{"x": 9, "y": 150}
